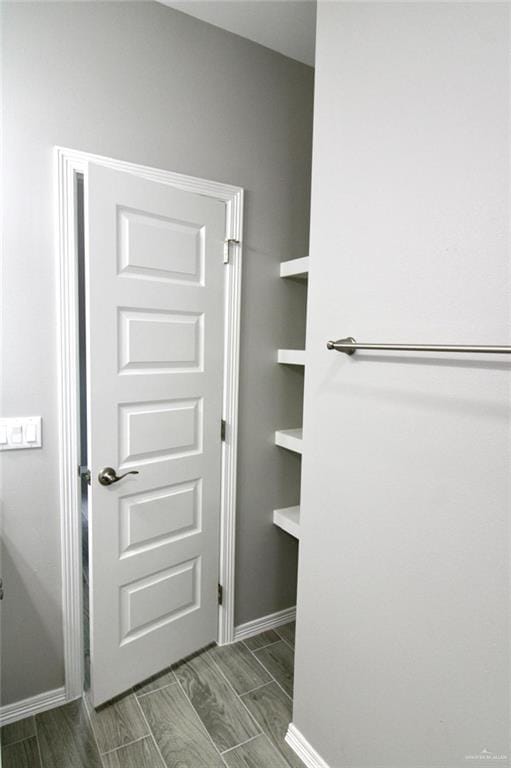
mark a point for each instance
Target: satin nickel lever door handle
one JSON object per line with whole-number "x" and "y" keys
{"x": 108, "y": 475}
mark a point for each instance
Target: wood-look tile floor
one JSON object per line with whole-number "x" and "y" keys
{"x": 226, "y": 707}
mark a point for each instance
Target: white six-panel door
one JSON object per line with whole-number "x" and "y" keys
{"x": 155, "y": 356}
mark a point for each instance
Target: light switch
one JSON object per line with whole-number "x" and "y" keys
{"x": 30, "y": 431}
{"x": 18, "y": 433}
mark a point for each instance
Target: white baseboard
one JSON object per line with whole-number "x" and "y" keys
{"x": 273, "y": 620}
{"x": 303, "y": 749}
{"x": 10, "y": 713}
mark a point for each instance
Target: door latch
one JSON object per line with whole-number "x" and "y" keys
{"x": 84, "y": 473}
{"x": 220, "y": 594}
{"x": 1, "y": 589}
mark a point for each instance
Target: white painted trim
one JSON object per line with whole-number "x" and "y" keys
{"x": 272, "y": 621}
{"x": 298, "y": 268}
{"x": 234, "y": 226}
{"x": 291, "y": 356}
{"x": 291, "y": 439}
{"x": 68, "y": 163}
{"x": 10, "y": 713}
{"x": 303, "y": 749}
{"x": 288, "y": 519}
{"x": 69, "y": 433}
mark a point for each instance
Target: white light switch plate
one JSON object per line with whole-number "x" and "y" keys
{"x": 20, "y": 432}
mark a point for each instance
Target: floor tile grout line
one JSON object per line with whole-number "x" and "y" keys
{"x": 89, "y": 719}
{"x": 255, "y": 657}
{"x": 114, "y": 749}
{"x": 200, "y": 719}
{"x": 256, "y": 688}
{"x": 18, "y": 741}
{"x": 37, "y": 742}
{"x": 284, "y": 690}
{"x": 263, "y": 736}
{"x": 242, "y": 744}
{"x": 272, "y": 676}
{"x": 274, "y": 680}
{"x": 161, "y": 688}
{"x": 261, "y": 646}
{"x": 259, "y": 727}
{"x": 262, "y": 729}
{"x": 151, "y": 734}
{"x": 127, "y": 744}
{"x": 288, "y": 643}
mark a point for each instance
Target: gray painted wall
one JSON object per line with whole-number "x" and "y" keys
{"x": 403, "y": 603}
{"x": 144, "y": 83}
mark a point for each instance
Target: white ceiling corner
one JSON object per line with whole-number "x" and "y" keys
{"x": 286, "y": 26}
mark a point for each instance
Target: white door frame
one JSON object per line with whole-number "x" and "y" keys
{"x": 68, "y": 163}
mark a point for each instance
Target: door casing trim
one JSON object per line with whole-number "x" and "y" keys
{"x": 68, "y": 163}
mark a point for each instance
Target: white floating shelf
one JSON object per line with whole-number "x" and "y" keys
{"x": 290, "y": 439}
{"x": 291, "y": 356}
{"x": 295, "y": 268}
{"x": 288, "y": 519}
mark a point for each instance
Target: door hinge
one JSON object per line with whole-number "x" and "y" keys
{"x": 220, "y": 594}
{"x": 84, "y": 473}
{"x": 227, "y": 243}
{"x": 223, "y": 429}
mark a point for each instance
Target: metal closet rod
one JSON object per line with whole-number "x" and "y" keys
{"x": 349, "y": 346}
